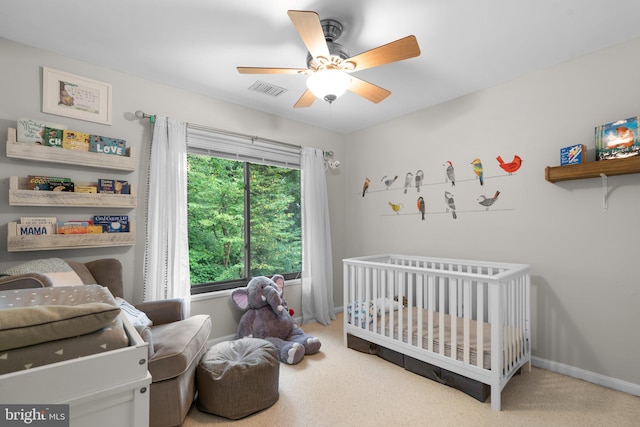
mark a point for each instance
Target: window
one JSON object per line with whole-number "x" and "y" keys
{"x": 244, "y": 218}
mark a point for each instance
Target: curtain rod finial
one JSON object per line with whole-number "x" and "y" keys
{"x": 142, "y": 115}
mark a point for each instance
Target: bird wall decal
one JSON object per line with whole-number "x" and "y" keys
{"x": 396, "y": 207}
{"x": 448, "y": 198}
{"x": 389, "y": 182}
{"x": 407, "y": 181}
{"x": 419, "y": 178}
{"x": 478, "y": 170}
{"x": 488, "y": 201}
{"x": 451, "y": 175}
{"x": 365, "y": 186}
{"x": 511, "y": 167}
{"x": 421, "y": 206}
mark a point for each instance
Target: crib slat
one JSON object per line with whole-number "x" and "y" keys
{"x": 441, "y": 308}
{"x": 453, "y": 317}
{"x": 420, "y": 305}
{"x": 375, "y": 293}
{"x": 479, "y": 328}
{"x": 466, "y": 356}
{"x": 392, "y": 286}
{"x": 383, "y": 291}
{"x": 431, "y": 301}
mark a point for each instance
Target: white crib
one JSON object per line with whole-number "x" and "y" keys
{"x": 479, "y": 311}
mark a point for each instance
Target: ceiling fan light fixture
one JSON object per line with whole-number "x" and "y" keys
{"x": 328, "y": 84}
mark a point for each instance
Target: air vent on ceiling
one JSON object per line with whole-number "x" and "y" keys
{"x": 267, "y": 88}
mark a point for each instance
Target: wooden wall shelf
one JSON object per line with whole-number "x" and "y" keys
{"x": 67, "y": 241}
{"x": 593, "y": 169}
{"x": 42, "y": 153}
{"x": 19, "y": 195}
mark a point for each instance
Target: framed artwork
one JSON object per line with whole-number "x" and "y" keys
{"x": 68, "y": 95}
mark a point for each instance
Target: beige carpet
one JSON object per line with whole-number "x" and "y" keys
{"x": 343, "y": 387}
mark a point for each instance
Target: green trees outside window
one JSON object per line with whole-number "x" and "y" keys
{"x": 244, "y": 221}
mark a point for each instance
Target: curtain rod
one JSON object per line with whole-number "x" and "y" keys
{"x": 152, "y": 118}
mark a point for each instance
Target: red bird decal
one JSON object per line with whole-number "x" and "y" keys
{"x": 510, "y": 167}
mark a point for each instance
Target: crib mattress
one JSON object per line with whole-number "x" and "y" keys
{"x": 384, "y": 325}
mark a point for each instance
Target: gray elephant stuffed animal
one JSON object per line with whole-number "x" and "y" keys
{"x": 266, "y": 317}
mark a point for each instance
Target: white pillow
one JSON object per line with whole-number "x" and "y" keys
{"x": 138, "y": 319}
{"x": 387, "y": 305}
{"x": 65, "y": 278}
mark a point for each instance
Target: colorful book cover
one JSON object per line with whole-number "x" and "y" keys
{"x": 61, "y": 186}
{"x": 113, "y": 186}
{"x": 95, "y": 229}
{"x": 32, "y": 131}
{"x": 72, "y": 227}
{"x": 573, "y": 155}
{"x": 36, "y": 182}
{"x": 113, "y": 223}
{"x": 72, "y": 140}
{"x": 123, "y": 187}
{"x": 618, "y": 140}
{"x": 52, "y": 137}
{"x": 85, "y": 189}
{"x": 107, "y": 186}
{"x": 102, "y": 144}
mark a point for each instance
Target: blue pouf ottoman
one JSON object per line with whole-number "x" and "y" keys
{"x": 238, "y": 378}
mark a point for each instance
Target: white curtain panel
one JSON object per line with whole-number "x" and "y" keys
{"x": 317, "y": 270}
{"x": 166, "y": 260}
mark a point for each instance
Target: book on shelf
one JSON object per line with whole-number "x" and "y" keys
{"x": 573, "y": 155}
{"x": 32, "y": 131}
{"x": 43, "y": 229}
{"x": 73, "y": 140}
{"x": 85, "y": 189}
{"x": 618, "y": 140}
{"x": 102, "y": 144}
{"x": 112, "y": 223}
{"x": 35, "y": 182}
{"x": 96, "y": 229}
{"x": 52, "y": 137}
{"x": 113, "y": 186}
{"x": 61, "y": 186}
{"x": 38, "y": 220}
{"x": 36, "y": 226}
{"x": 73, "y": 227}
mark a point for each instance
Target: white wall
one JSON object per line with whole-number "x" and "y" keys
{"x": 20, "y": 95}
{"x": 585, "y": 290}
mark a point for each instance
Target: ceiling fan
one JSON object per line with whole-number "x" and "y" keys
{"x": 329, "y": 66}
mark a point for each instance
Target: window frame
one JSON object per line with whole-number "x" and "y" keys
{"x": 221, "y": 144}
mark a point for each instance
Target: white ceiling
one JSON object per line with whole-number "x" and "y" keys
{"x": 466, "y": 45}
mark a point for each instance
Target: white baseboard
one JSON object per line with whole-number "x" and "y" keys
{"x": 592, "y": 377}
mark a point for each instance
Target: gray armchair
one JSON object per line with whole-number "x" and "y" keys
{"x": 175, "y": 343}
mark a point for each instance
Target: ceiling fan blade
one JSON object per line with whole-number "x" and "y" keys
{"x": 368, "y": 90}
{"x": 305, "y": 100}
{"x": 308, "y": 25}
{"x": 265, "y": 70}
{"x": 398, "y": 50}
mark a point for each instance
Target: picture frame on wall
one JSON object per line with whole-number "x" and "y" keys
{"x": 77, "y": 97}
